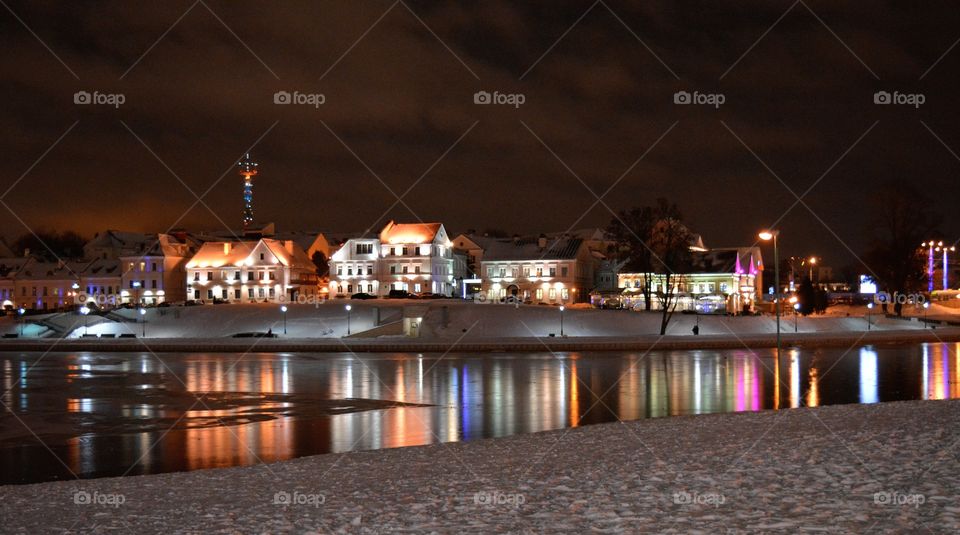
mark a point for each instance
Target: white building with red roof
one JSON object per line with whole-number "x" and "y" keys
{"x": 253, "y": 271}
{"x": 412, "y": 257}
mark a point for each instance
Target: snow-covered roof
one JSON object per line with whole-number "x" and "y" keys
{"x": 410, "y": 232}
{"x": 236, "y": 253}
{"x": 529, "y": 249}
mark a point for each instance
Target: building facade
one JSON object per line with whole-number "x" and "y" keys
{"x": 412, "y": 257}
{"x": 538, "y": 270}
{"x": 251, "y": 272}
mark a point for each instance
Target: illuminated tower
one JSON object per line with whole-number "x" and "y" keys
{"x": 248, "y": 170}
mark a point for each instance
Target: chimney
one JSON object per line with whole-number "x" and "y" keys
{"x": 542, "y": 241}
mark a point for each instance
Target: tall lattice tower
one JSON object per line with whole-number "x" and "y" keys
{"x": 248, "y": 170}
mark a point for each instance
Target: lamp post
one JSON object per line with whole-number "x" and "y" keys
{"x": 926, "y": 305}
{"x": 812, "y": 261}
{"x": 283, "y": 309}
{"x": 75, "y": 294}
{"x": 143, "y": 321}
{"x": 85, "y": 311}
{"x": 869, "y": 310}
{"x": 768, "y": 235}
{"x": 136, "y": 285}
{"x": 349, "y": 308}
{"x": 562, "y": 308}
{"x": 21, "y": 311}
{"x": 796, "y": 316}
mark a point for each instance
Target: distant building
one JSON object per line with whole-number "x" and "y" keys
{"x": 413, "y": 257}
{"x": 265, "y": 270}
{"x": 723, "y": 280}
{"x": 538, "y": 270}
{"x": 40, "y": 285}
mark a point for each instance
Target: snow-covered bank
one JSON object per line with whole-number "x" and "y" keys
{"x": 880, "y": 468}
{"x": 446, "y": 325}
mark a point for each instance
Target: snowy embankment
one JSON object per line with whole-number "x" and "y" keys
{"x": 446, "y": 324}
{"x": 886, "y": 468}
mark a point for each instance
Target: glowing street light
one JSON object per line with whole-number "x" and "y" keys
{"x": 796, "y": 315}
{"x": 85, "y": 311}
{"x": 143, "y": 321}
{"x": 21, "y": 311}
{"x": 926, "y": 305}
{"x": 283, "y": 309}
{"x": 562, "y": 308}
{"x": 869, "y": 310}
{"x": 767, "y": 235}
{"x": 349, "y": 308}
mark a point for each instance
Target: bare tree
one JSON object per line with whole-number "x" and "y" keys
{"x": 670, "y": 250}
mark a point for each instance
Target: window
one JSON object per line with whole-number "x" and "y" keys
{"x": 209, "y": 294}
{"x": 503, "y": 272}
{"x": 350, "y": 288}
{"x": 539, "y": 294}
{"x": 364, "y": 248}
{"x": 564, "y": 294}
{"x": 416, "y": 269}
{"x": 153, "y": 266}
{"x": 406, "y": 269}
{"x": 153, "y": 284}
{"x": 723, "y": 287}
{"x": 416, "y": 287}
{"x": 142, "y": 266}
{"x": 406, "y": 251}
{"x": 393, "y": 269}
{"x": 250, "y": 277}
{"x": 273, "y": 276}
{"x": 196, "y": 276}
{"x": 369, "y": 270}
{"x": 349, "y": 270}
{"x": 273, "y": 293}
{"x": 236, "y": 275}
{"x": 369, "y": 288}
{"x": 339, "y": 271}
{"x": 540, "y": 272}
{"x": 261, "y": 258}
{"x": 209, "y": 276}
{"x": 553, "y": 271}
{"x": 196, "y": 294}
{"x": 250, "y": 293}
{"x": 553, "y": 294}
{"x": 224, "y": 293}
{"x": 526, "y": 271}
{"x": 236, "y": 294}
{"x": 563, "y": 271}
{"x": 261, "y": 293}
{"x": 260, "y": 276}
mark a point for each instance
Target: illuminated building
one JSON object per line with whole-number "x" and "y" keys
{"x": 725, "y": 280}
{"x": 538, "y": 270}
{"x": 265, "y": 270}
{"x": 248, "y": 170}
{"x": 152, "y": 265}
{"x": 413, "y": 257}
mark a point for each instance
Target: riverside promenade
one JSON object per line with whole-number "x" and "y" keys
{"x": 507, "y": 344}
{"x": 882, "y": 468}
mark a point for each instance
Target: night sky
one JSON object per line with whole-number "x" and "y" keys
{"x": 399, "y": 82}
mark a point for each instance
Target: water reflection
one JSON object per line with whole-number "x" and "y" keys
{"x": 132, "y": 413}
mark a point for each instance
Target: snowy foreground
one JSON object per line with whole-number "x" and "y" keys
{"x": 885, "y": 468}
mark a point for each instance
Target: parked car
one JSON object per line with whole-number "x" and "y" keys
{"x": 429, "y": 295}
{"x": 398, "y": 294}
{"x": 362, "y": 295}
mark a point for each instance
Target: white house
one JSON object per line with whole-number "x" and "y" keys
{"x": 538, "y": 270}
{"x": 251, "y": 271}
{"x": 414, "y": 257}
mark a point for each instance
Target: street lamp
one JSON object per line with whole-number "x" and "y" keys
{"x": 767, "y": 235}
{"x": 349, "y": 308}
{"x": 143, "y": 321}
{"x": 813, "y": 262}
{"x": 562, "y": 308}
{"x": 21, "y": 311}
{"x": 796, "y": 315}
{"x": 869, "y": 310}
{"x": 283, "y": 308}
{"x": 926, "y": 305}
{"x": 85, "y": 311}
{"x": 136, "y": 284}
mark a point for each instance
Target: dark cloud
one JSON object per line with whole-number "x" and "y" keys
{"x": 400, "y": 99}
